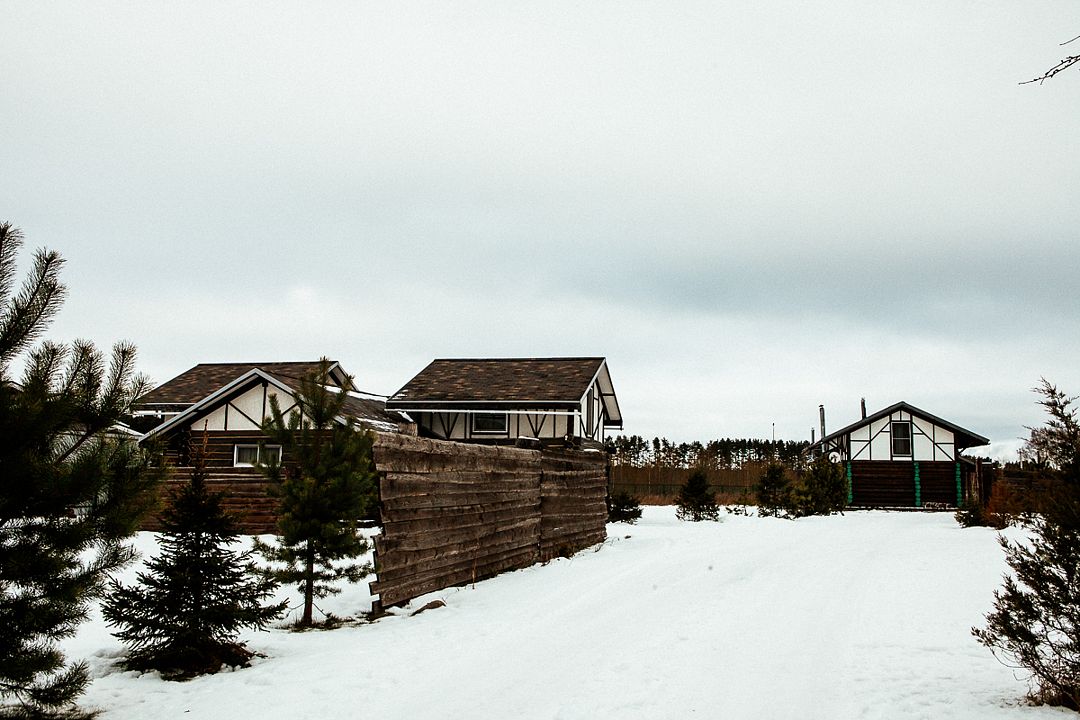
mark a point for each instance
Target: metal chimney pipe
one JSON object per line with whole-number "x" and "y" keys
{"x": 821, "y": 412}
{"x": 862, "y": 406}
{"x": 811, "y": 436}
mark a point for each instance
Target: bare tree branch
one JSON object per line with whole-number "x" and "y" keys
{"x": 1067, "y": 62}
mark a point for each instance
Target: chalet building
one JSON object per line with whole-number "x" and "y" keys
{"x": 504, "y": 399}
{"x": 231, "y": 400}
{"x": 903, "y": 457}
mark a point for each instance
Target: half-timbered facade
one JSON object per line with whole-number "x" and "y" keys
{"x": 230, "y": 401}
{"x": 902, "y": 456}
{"x": 498, "y": 400}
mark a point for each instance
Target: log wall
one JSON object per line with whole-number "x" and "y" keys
{"x": 892, "y": 484}
{"x": 454, "y": 513}
{"x": 244, "y": 494}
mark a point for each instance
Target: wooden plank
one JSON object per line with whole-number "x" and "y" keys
{"x": 469, "y": 499}
{"x": 420, "y": 541}
{"x": 398, "y": 593}
{"x": 392, "y": 514}
{"x": 394, "y": 566}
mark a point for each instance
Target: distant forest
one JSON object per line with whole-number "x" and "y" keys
{"x": 653, "y": 470}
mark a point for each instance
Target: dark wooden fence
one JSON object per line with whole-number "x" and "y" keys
{"x": 454, "y": 514}
{"x": 451, "y": 513}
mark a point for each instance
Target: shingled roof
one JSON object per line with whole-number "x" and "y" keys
{"x": 193, "y": 385}
{"x": 538, "y": 382}
{"x": 366, "y": 409}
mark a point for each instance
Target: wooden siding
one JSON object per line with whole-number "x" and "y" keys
{"x": 884, "y": 483}
{"x": 219, "y": 444}
{"x": 245, "y": 494}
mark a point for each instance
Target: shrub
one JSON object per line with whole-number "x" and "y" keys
{"x": 696, "y": 501}
{"x": 624, "y": 507}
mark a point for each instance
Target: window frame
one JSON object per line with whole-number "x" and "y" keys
{"x": 259, "y": 449}
{"x": 910, "y": 439}
{"x": 504, "y": 430}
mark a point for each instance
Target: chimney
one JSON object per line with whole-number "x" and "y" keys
{"x": 862, "y": 406}
{"x": 811, "y": 436}
{"x": 821, "y": 412}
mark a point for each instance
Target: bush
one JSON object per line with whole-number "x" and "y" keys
{"x": 772, "y": 491}
{"x": 624, "y": 507}
{"x": 696, "y": 501}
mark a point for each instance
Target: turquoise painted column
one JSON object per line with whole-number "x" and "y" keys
{"x": 918, "y": 487}
{"x": 959, "y": 488}
{"x": 850, "y": 487}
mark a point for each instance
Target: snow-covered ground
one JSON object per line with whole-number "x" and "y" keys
{"x": 865, "y": 615}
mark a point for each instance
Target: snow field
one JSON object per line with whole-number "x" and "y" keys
{"x": 865, "y": 615}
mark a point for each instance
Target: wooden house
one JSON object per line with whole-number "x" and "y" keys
{"x": 499, "y": 400}
{"x": 231, "y": 400}
{"x": 902, "y": 456}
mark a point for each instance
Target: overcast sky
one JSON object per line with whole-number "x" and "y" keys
{"x": 749, "y": 208}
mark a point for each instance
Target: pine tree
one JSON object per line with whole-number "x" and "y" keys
{"x": 326, "y": 483}
{"x": 696, "y": 501}
{"x": 70, "y": 489}
{"x": 1035, "y": 623}
{"x": 183, "y": 616}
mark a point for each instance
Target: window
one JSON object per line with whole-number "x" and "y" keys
{"x": 901, "y": 438}
{"x": 490, "y": 423}
{"x": 249, "y": 455}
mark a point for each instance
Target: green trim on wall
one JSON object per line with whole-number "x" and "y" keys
{"x": 918, "y": 487}
{"x": 850, "y": 487}
{"x": 959, "y": 488}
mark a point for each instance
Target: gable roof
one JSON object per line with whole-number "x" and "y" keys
{"x": 366, "y": 411}
{"x": 493, "y": 383}
{"x": 964, "y": 438}
{"x": 193, "y": 385}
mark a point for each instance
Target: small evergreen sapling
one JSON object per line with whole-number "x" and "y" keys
{"x": 772, "y": 491}
{"x": 624, "y": 507}
{"x": 325, "y": 489}
{"x": 821, "y": 489}
{"x": 183, "y": 616}
{"x": 696, "y": 501}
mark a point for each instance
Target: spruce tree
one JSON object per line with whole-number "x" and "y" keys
{"x": 696, "y": 501}
{"x": 183, "y": 616}
{"x": 325, "y": 483}
{"x": 71, "y": 489}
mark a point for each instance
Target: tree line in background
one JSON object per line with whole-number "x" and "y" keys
{"x": 724, "y": 454}
{"x": 655, "y": 471}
